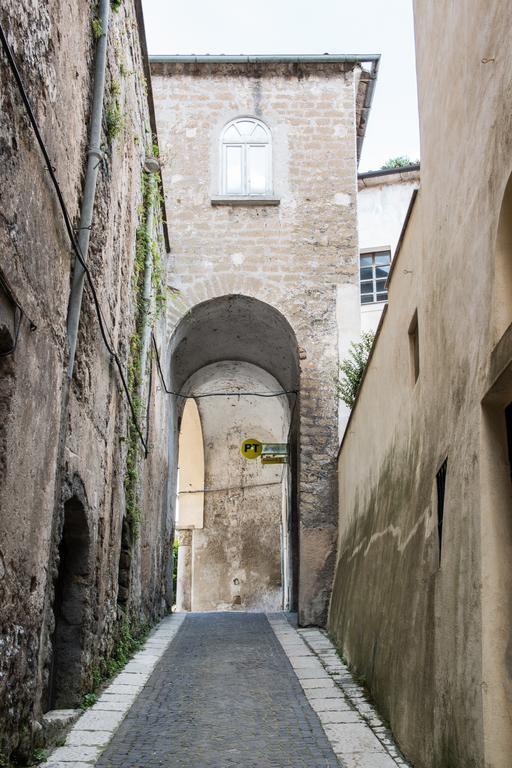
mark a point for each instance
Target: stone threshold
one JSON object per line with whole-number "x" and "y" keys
{"x": 95, "y": 728}
{"x": 357, "y": 734}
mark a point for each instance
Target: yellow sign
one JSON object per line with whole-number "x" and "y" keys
{"x": 251, "y": 448}
{"x": 274, "y": 460}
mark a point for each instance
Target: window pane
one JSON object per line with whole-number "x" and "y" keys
{"x": 365, "y": 260}
{"x": 383, "y": 258}
{"x": 382, "y": 296}
{"x": 366, "y": 273}
{"x": 259, "y": 134}
{"x": 233, "y": 169}
{"x": 245, "y": 127}
{"x": 231, "y": 134}
{"x": 366, "y": 287}
{"x": 257, "y": 169}
{"x": 380, "y": 285}
{"x": 381, "y": 272}
{"x": 367, "y": 299}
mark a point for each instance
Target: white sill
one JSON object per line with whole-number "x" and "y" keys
{"x": 247, "y": 200}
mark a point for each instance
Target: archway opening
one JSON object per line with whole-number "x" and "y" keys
{"x": 234, "y": 362}
{"x": 70, "y": 601}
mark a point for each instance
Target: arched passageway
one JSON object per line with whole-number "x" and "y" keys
{"x": 239, "y": 535}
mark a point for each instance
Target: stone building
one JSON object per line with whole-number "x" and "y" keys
{"x": 260, "y": 173}
{"x": 422, "y": 598}
{"x": 84, "y": 529}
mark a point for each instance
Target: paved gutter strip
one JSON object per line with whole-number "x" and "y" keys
{"x": 355, "y": 730}
{"x": 96, "y": 727}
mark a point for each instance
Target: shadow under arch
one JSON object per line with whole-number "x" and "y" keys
{"x": 239, "y": 329}
{"x": 234, "y": 327}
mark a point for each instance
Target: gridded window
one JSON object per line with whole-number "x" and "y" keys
{"x": 374, "y": 270}
{"x": 246, "y": 158}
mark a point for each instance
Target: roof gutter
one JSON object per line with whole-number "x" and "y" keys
{"x": 375, "y": 60}
{"x": 389, "y": 171}
{"x": 328, "y": 58}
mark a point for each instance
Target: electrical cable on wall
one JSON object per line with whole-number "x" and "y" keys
{"x": 213, "y": 394}
{"x": 105, "y": 333}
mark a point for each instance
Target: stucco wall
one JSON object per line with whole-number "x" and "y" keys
{"x": 296, "y": 256}
{"x": 382, "y": 204}
{"x": 432, "y": 638}
{"x": 53, "y": 449}
{"x": 236, "y": 554}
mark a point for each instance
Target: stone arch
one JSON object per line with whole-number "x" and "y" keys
{"x": 239, "y": 332}
{"x": 502, "y": 303}
{"x": 70, "y": 605}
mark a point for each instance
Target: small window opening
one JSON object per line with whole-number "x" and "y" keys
{"x": 441, "y": 487}
{"x": 414, "y": 347}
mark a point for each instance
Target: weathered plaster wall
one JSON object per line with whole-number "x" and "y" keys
{"x": 236, "y": 554}
{"x": 294, "y": 256}
{"x": 433, "y": 639}
{"x": 53, "y": 44}
{"x": 382, "y": 204}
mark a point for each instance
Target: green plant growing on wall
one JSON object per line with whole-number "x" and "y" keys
{"x": 97, "y": 28}
{"x": 146, "y": 246}
{"x": 351, "y": 369}
{"x": 129, "y": 638}
{"x": 39, "y": 756}
{"x": 402, "y": 161}
{"x": 116, "y": 5}
{"x": 88, "y": 700}
{"x": 115, "y": 120}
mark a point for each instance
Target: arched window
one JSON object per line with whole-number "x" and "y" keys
{"x": 246, "y": 158}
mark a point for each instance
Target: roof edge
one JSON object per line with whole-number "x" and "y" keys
{"x": 325, "y": 58}
{"x": 388, "y": 171}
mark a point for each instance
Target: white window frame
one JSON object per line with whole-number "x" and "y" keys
{"x": 245, "y": 144}
{"x": 375, "y": 300}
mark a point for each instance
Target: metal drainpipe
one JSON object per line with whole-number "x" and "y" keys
{"x": 94, "y": 157}
{"x": 151, "y": 166}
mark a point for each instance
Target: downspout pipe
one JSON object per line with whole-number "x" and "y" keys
{"x": 94, "y": 158}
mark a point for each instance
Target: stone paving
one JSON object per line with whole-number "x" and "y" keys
{"x": 224, "y": 694}
{"x": 357, "y": 734}
{"x": 219, "y": 690}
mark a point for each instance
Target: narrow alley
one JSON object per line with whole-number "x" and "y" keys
{"x": 255, "y": 384}
{"x": 231, "y": 689}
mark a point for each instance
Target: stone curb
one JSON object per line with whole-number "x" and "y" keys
{"x": 95, "y": 728}
{"x": 358, "y": 736}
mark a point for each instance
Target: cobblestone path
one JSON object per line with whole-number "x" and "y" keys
{"x": 224, "y": 694}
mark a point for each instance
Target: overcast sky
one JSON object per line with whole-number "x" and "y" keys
{"x": 308, "y": 26}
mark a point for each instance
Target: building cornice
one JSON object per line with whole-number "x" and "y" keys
{"x": 164, "y": 64}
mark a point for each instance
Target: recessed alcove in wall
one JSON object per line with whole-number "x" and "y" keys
{"x": 71, "y": 592}
{"x": 495, "y": 475}
{"x": 502, "y": 298}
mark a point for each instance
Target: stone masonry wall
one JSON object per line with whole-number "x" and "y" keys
{"x": 294, "y": 256}
{"x": 58, "y": 445}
